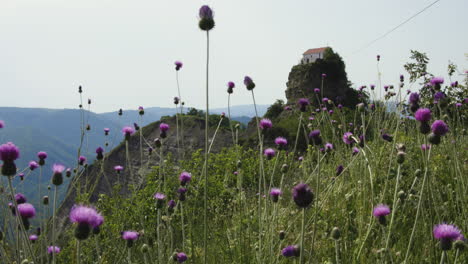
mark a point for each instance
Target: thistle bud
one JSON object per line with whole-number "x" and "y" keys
{"x": 434, "y": 139}
{"x": 336, "y": 233}
{"x": 282, "y": 234}
{"x": 284, "y": 168}
{"x": 45, "y": 200}
{"x": 144, "y": 248}
{"x": 157, "y": 142}
{"x": 401, "y": 195}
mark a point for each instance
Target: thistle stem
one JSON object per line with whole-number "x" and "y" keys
{"x": 302, "y": 236}
{"x": 205, "y": 203}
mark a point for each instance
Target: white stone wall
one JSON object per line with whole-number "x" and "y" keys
{"x": 309, "y": 58}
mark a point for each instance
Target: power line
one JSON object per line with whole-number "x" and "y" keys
{"x": 395, "y": 28}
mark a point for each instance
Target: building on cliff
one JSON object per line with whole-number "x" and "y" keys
{"x": 311, "y": 55}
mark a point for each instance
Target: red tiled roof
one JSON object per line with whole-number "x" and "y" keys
{"x": 317, "y": 50}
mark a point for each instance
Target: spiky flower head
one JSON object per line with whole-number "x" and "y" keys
{"x": 86, "y": 218}
{"x": 347, "y": 138}
{"x": 9, "y": 152}
{"x": 42, "y": 155}
{"x": 26, "y": 210}
{"x": 57, "y": 177}
{"x": 58, "y": 168}
{"x": 423, "y": 115}
{"x": 446, "y": 234}
{"x": 33, "y": 165}
{"x": 130, "y": 235}
{"x": 118, "y": 168}
{"x": 275, "y": 193}
{"x": 20, "y": 198}
{"x": 269, "y": 153}
{"x": 128, "y": 131}
{"x": 439, "y": 128}
{"x": 181, "y": 257}
{"x": 281, "y": 142}
{"x": 291, "y": 251}
{"x": 302, "y": 195}
{"x": 160, "y": 198}
{"x": 178, "y": 65}
{"x": 315, "y": 138}
{"x": 82, "y": 160}
{"x": 380, "y": 211}
{"x": 53, "y": 250}
{"x": 171, "y": 204}
{"x": 33, "y": 238}
{"x": 106, "y": 131}
{"x": 265, "y": 124}
{"x": 414, "y": 98}
{"x": 248, "y": 82}
{"x": 184, "y": 178}
{"x": 355, "y": 151}
{"x": 339, "y": 170}
{"x": 163, "y": 127}
{"x": 316, "y": 90}
{"x": 206, "y": 22}
{"x": 328, "y": 147}
{"x": 2, "y": 124}
{"x": 303, "y": 103}
{"x": 437, "y": 80}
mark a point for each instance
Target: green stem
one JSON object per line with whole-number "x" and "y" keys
{"x": 394, "y": 208}
{"x": 53, "y": 223}
{"x": 337, "y": 251}
{"x": 302, "y": 236}
{"x": 443, "y": 257}
{"x": 77, "y": 251}
{"x": 205, "y": 176}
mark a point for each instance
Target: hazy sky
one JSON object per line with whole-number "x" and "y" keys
{"x": 122, "y": 51}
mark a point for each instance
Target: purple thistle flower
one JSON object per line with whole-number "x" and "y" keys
{"x": 33, "y": 238}
{"x": 439, "y": 95}
{"x": 275, "y": 193}
{"x": 372, "y": 86}
{"x": 106, "y": 131}
{"x": 265, "y": 124}
{"x": 325, "y": 100}
{"x": 423, "y": 115}
{"x": 303, "y": 103}
{"x": 184, "y": 178}
{"x": 340, "y": 106}
{"x": 339, "y": 170}
{"x": 269, "y": 153}
{"x": 181, "y": 257}
{"x": 9, "y": 152}
{"x": 130, "y": 235}
{"x": 33, "y": 165}
{"x": 317, "y": 90}
{"x": 53, "y": 249}
{"x": 163, "y": 127}
{"x": 386, "y": 87}
{"x": 300, "y": 158}
{"x": 205, "y": 12}
{"x": 446, "y": 234}
{"x": 324, "y": 75}
{"x": 437, "y": 80}
{"x": 85, "y": 215}
{"x": 82, "y": 160}
{"x": 302, "y": 195}
{"x": 128, "y": 131}
{"x": 231, "y": 85}
{"x": 458, "y": 105}
{"x": 20, "y": 198}
{"x": 58, "y": 168}
{"x": 328, "y": 147}
{"x": 171, "y": 204}
{"x": 159, "y": 196}
{"x": 2, "y": 124}
{"x": 291, "y": 251}
{"x": 248, "y": 82}
{"x": 355, "y": 151}
{"x": 439, "y": 128}
{"x": 287, "y": 108}
{"x": 378, "y": 57}
{"x": 314, "y": 135}
{"x": 347, "y": 138}
{"x": 42, "y": 155}
{"x": 414, "y": 98}
{"x": 118, "y": 168}
{"x": 281, "y": 142}
{"x": 26, "y": 210}
{"x": 178, "y": 65}
{"x": 381, "y": 210}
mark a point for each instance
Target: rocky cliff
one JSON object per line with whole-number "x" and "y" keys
{"x": 304, "y": 78}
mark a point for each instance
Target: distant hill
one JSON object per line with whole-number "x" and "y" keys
{"x": 58, "y": 131}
